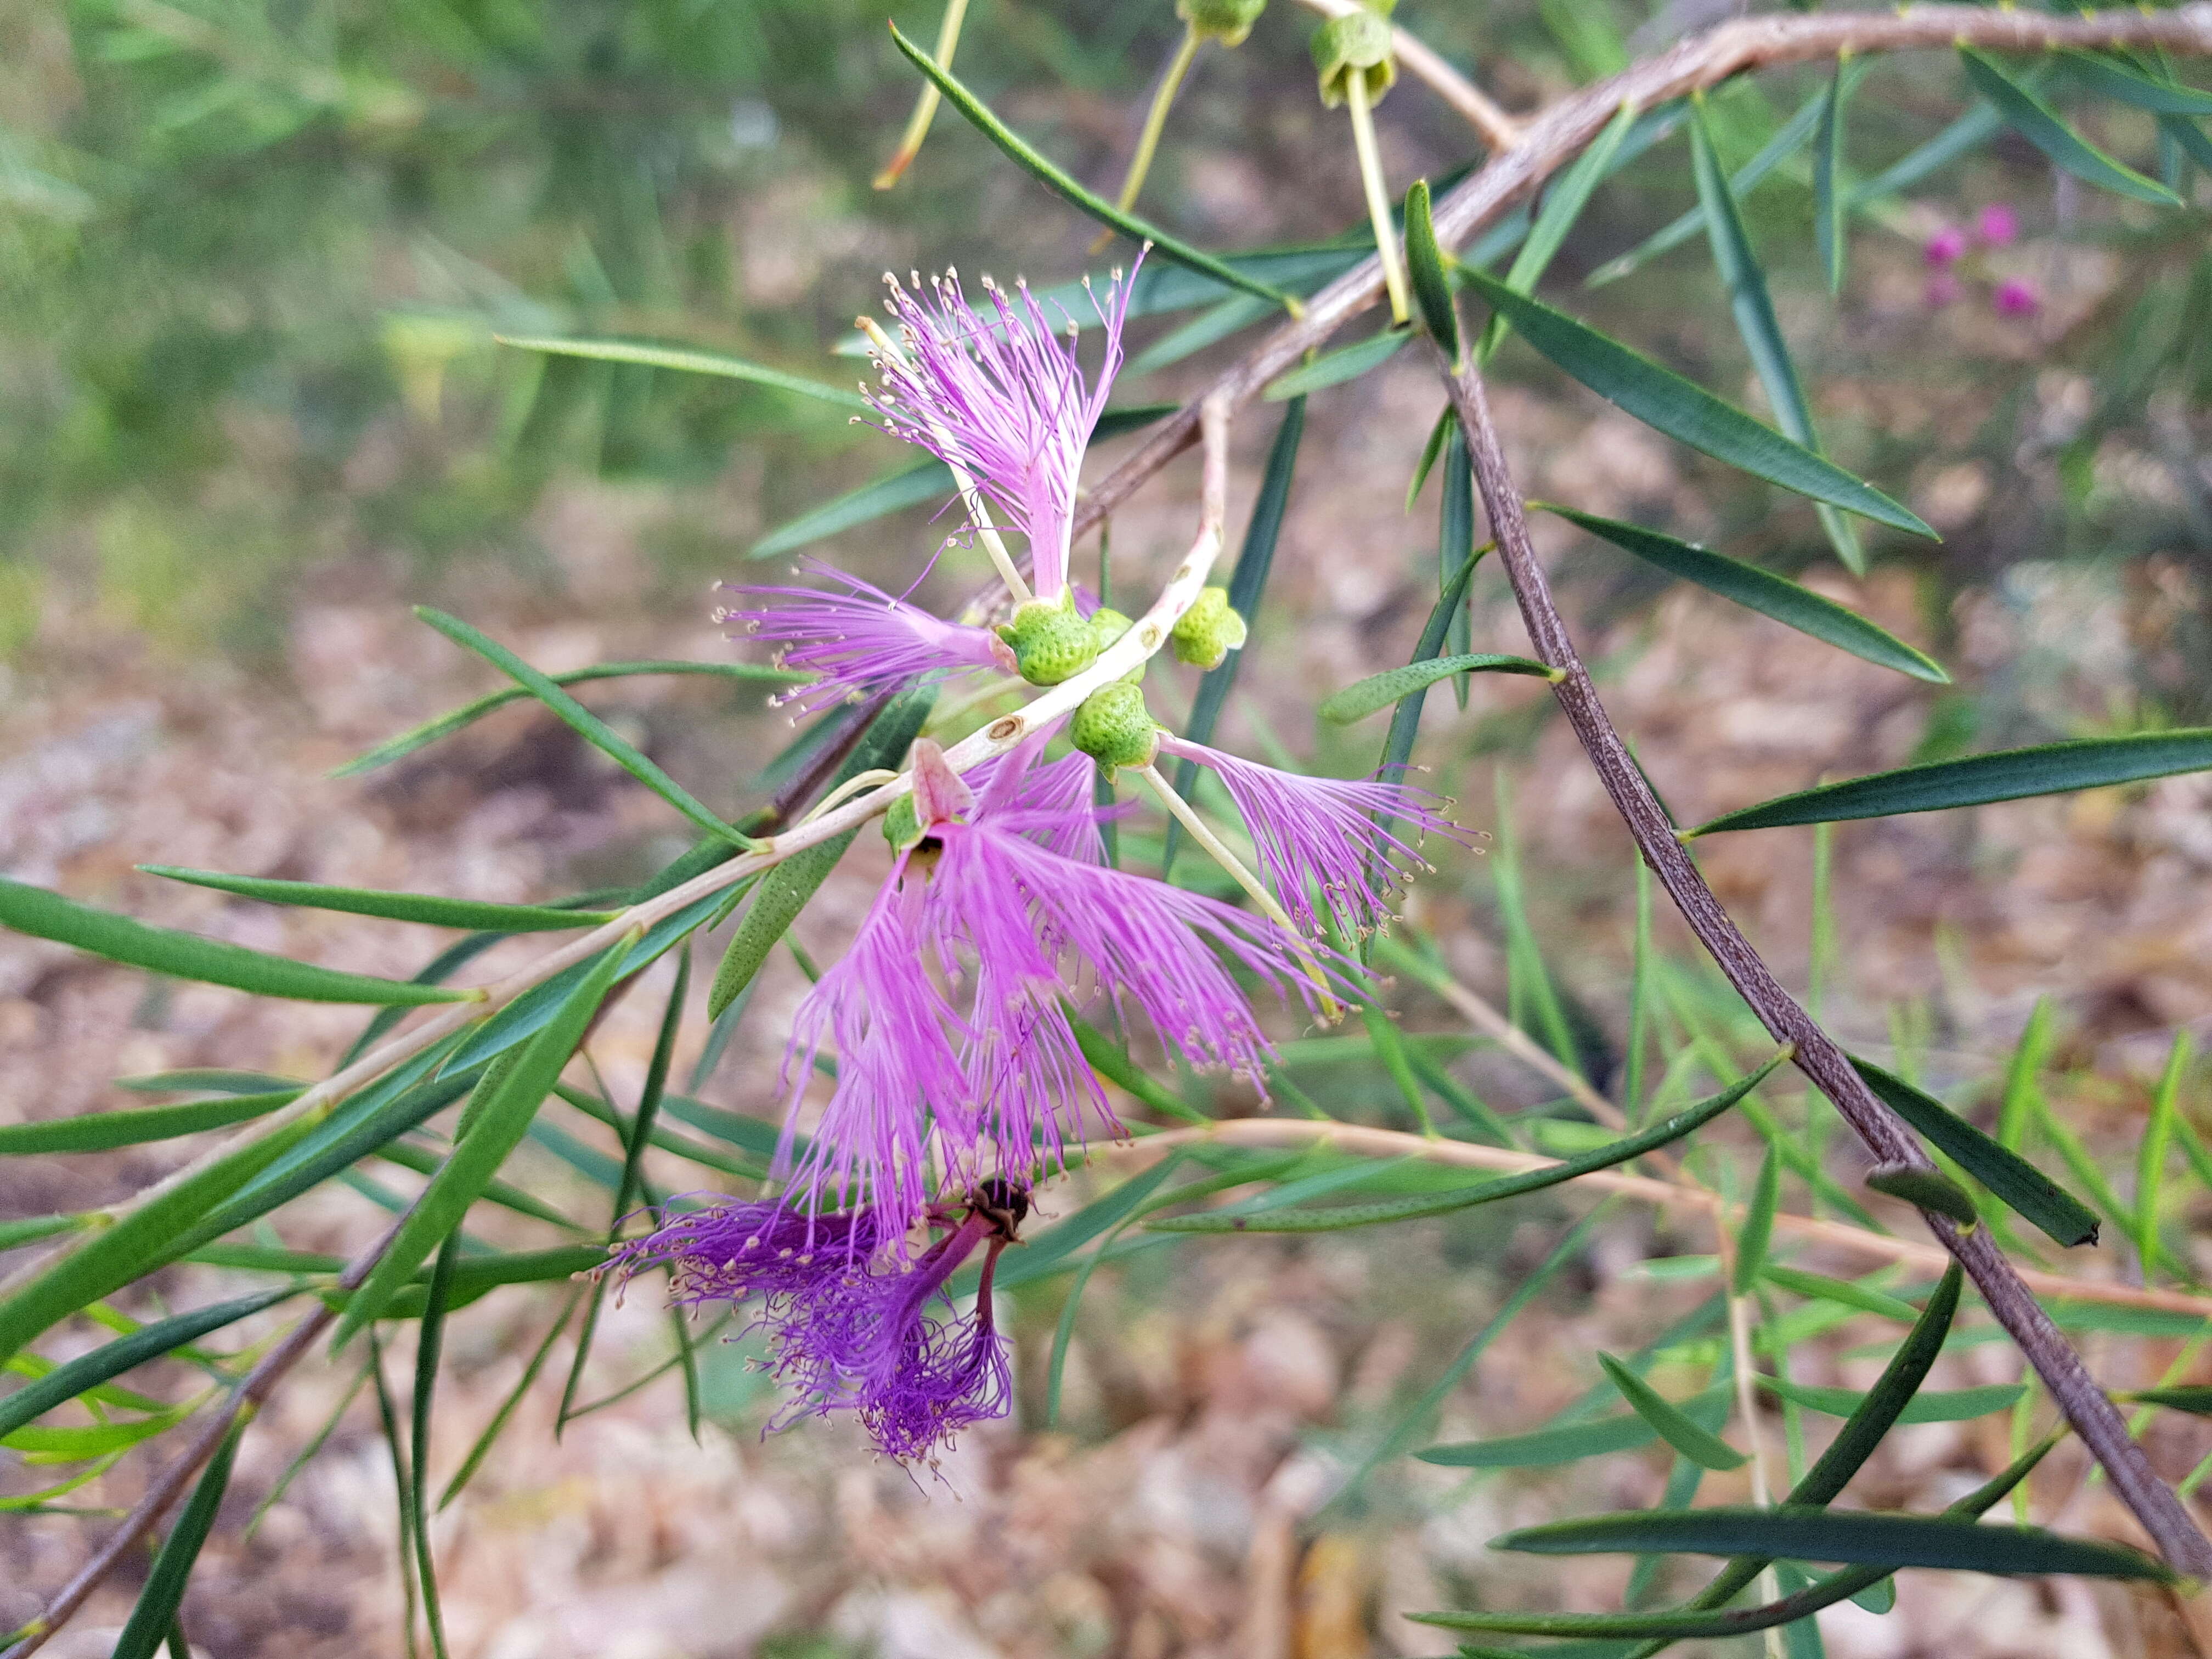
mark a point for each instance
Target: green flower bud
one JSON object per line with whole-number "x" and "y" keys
{"x": 1226, "y": 21}
{"x": 1108, "y": 625}
{"x": 1358, "y": 43}
{"x": 902, "y": 824}
{"x": 1209, "y": 630}
{"x": 1050, "y": 641}
{"x": 1114, "y": 728}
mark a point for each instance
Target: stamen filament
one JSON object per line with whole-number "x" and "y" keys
{"x": 1201, "y": 832}
{"x": 1156, "y": 119}
{"x": 1378, "y": 197}
{"x": 924, "y": 108}
{"x": 970, "y": 496}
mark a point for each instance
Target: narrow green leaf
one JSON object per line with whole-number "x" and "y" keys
{"x": 2150, "y": 1157}
{"x": 45, "y": 914}
{"x": 1930, "y": 1405}
{"x": 1685, "y": 411}
{"x": 14, "y": 1235}
{"x": 1246, "y": 584}
{"x": 101, "y": 1132}
{"x": 427, "y": 908}
{"x": 2011, "y": 1178}
{"x": 1217, "y": 322}
{"x": 1970, "y": 131}
{"x": 1571, "y": 1442}
{"x": 1925, "y": 1189}
{"x": 586, "y": 725}
{"x": 690, "y": 360}
{"x": 1808, "y": 1534}
{"x": 2036, "y": 121}
{"x": 1106, "y": 1058}
{"x": 446, "y": 725}
{"x": 1707, "y": 1451}
{"x": 1031, "y": 162}
{"x": 1756, "y": 323}
{"x": 429, "y": 1342}
{"x": 2196, "y": 1401}
{"x": 1563, "y": 202}
{"x": 155, "y": 1614}
{"x": 1830, "y": 206}
{"x": 78, "y": 1444}
{"x": 1345, "y": 363}
{"x": 477, "y": 1158}
{"x": 208, "y": 1079}
{"x": 1425, "y": 263}
{"x": 1406, "y": 721}
{"x": 1823, "y": 1289}
{"x": 2189, "y": 138}
{"x": 1337, "y": 1217}
{"x": 912, "y": 486}
{"x": 489, "y": 1437}
{"x": 1379, "y": 692}
{"x": 2050, "y": 768}
{"x": 1447, "y": 425}
{"x": 1757, "y": 1231}
{"x": 2107, "y": 74}
{"x": 1772, "y": 596}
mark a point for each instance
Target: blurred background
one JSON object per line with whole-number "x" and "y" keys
{"x": 253, "y": 254}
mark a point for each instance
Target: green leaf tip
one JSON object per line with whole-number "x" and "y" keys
{"x": 1926, "y": 1190}
{"x": 1425, "y": 263}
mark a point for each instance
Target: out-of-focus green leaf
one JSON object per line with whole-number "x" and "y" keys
{"x": 1756, "y": 323}
{"x": 1033, "y": 163}
{"x": 1685, "y": 411}
{"x": 1757, "y": 1231}
{"x": 2036, "y": 121}
{"x": 1821, "y": 1288}
{"x": 1406, "y": 722}
{"x": 586, "y": 725}
{"x": 1379, "y": 692}
{"x": 1571, "y": 1442}
{"x": 427, "y": 908}
{"x": 2113, "y": 79}
{"x": 208, "y": 1079}
{"x": 155, "y": 1614}
{"x": 689, "y": 360}
{"x": 1563, "y": 202}
{"x": 1447, "y": 425}
{"x": 2050, "y": 768}
{"x": 1772, "y": 596}
{"x": 489, "y": 1437}
{"x": 1798, "y": 1533}
{"x": 2196, "y": 1401}
{"x": 1106, "y": 1058}
{"x": 1930, "y": 1405}
{"x": 1707, "y": 1451}
{"x": 1831, "y": 206}
{"x": 45, "y": 914}
{"x": 2012, "y": 1178}
{"x": 1347, "y": 362}
{"x": 446, "y": 725}
{"x": 2150, "y": 1157}
{"x": 101, "y": 1132}
{"x": 79, "y": 1443}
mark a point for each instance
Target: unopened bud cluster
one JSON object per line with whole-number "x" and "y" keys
{"x": 1358, "y": 43}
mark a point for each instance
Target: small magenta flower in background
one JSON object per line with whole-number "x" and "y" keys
{"x": 2016, "y": 296}
{"x": 1945, "y": 248}
{"x": 1998, "y": 225}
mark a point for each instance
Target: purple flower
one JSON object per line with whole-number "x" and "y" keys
{"x": 860, "y": 641}
{"x": 1006, "y": 401}
{"x": 2015, "y": 297}
{"x": 922, "y": 1376}
{"x": 733, "y": 1252}
{"x": 1945, "y": 248}
{"x": 1330, "y": 836}
{"x": 1998, "y": 225}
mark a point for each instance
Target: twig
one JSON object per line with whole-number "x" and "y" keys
{"x": 1499, "y": 131}
{"x": 1644, "y": 1189}
{"x": 1885, "y": 1135}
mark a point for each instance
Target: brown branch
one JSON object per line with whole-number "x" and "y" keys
{"x": 1549, "y": 141}
{"x": 1885, "y": 1135}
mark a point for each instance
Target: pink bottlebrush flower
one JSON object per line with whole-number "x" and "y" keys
{"x": 1998, "y": 225}
{"x": 1004, "y": 401}
{"x": 1942, "y": 288}
{"x": 1945, "y": 248}
{"x": 2015, "y": 297}
{"x": 1330, "y": 836}
{"x": 861, "y": 642}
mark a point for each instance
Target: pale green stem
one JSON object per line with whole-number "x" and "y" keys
{"x": 1378, "y": 197}
{"x": 924, "y": 108}
{"x": 1155, "y": 120}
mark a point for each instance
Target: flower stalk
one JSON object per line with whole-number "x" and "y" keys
{"x": 1378, "y": 196}
{"x": 925, "y": 107}
{"x": 1156, "y": 120}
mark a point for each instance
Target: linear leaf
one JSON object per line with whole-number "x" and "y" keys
{"x": 2050, "y": 768}
{"x": 2188, "y": 137}
{"x": 2198, "y": 1401}
{"x": 477, "y": 1158}
{"x": 1106, "y": 1058}
{"x": 1706, "y": 1450}
{"x": 1345, "y": 363}
{"x": 501, "y": 1418}
{"x": 582, "y": 721}
{"x": 2034, "y": 120}
{"x": 1406, "y": 722}
{"x": 1772, "y": 596}
{"x": 1831, "y": 206}
{"x": 101, "y": 1132}
{"x": 1425, "y": 263}
{"x": 1031, "y": 162}
{"x": 1757, "y": 1231}
{"x": 208, "y": 1079}
{"x": 1821, "y": 1288}
{"x": 1571, "y": 1443}
{"x": 155, "y": 1614}
{"x": 446, "y": 725}
{"x": 1931, "y": 1405}
{"x": 1378, "y": 691}
{"x": 2102, "y": 74}
{"x": 1246, "y": 584}
{"x": 1809, "y": 1534}
{"x": 1752, "y": 307}
{"x": 2011, "y": 1177}
{"x": 1925, "y": 1189}
{"x": 1446, "y": 427}
{"x": 436, "y": 911}
{"x": 689, "y": 359}
{"x": 1564, "y": 203}
{"x": 1685, "y": 411}
{"x": 1217, "y": 322}
{"x": 45, "y": 914}
{"x": 1648, "y": 1139}
{"x": 2150, "y": 1157}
